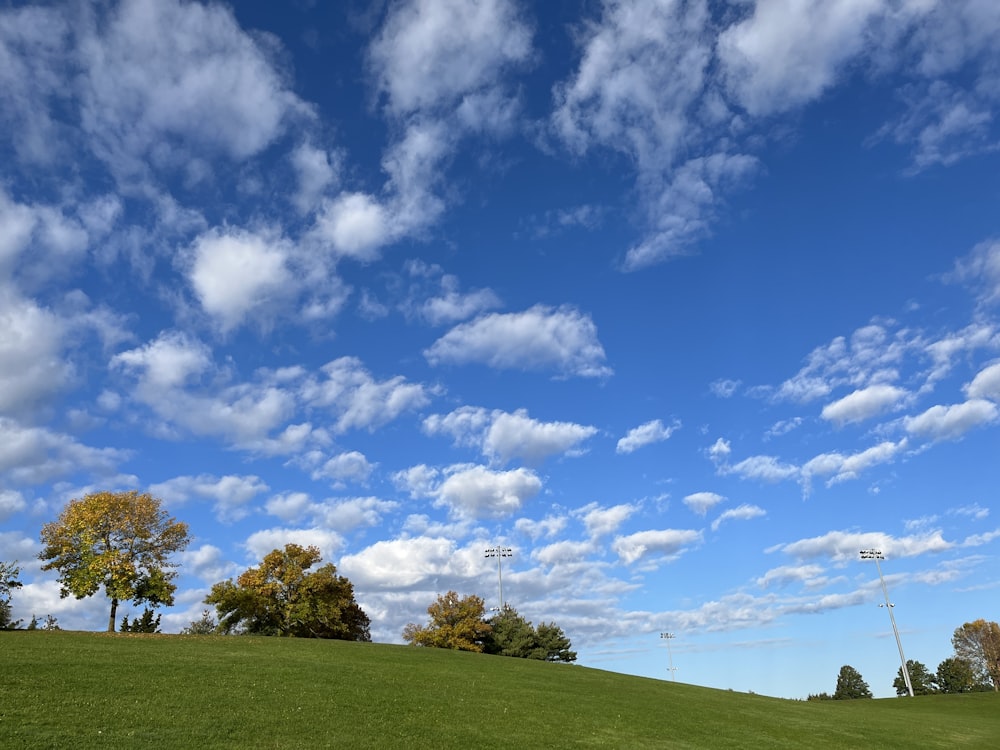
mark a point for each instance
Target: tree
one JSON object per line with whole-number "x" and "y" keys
{"x": 119, "y": 540}
{"x": 512, "y": 635}
{"x": 850, "y": 685}
{"x": 957, "y": 675}
{"x": 9, "y": 580}
{"x": 279, "y": 597}
{"x": 978, "y": 642}
{"x": 456, "y": 623}
{"x": 206, "y": 625}
{"x": 145, "y": 624}
{"x": 921, "y": 680}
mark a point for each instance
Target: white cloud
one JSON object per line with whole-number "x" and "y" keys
{"x": 431, "y": 53}
{"x": 262, "y": 542}
{"x": 764, "y": 468}
{"x": 980, "y": 269}
{"x": 725, "y": 388}
{"x": 350, "y": 466}
{"x": 452, "y": 306}
{"x": 787, "y": 53}
{"x": 36, "y": 455}
{"x": 540, "y": 338}
{"x": 564, "y": 552}
{"x": 505, "y": 436}
{"x": 952, "y": 422}
{"x": 702, "y": 502}
{"x": 742, "y": 513}
{"x": 231, "y": 494}
{"x": 986, "y": 384}
{"x": 842, "y": 467}
{"x": 316, "y": 170}
{"x": 845, "y": 546}
{"x": 406, "y": 564}
{"x": 535, "y": 529}
{"x": 646, "y": 434}
{"x": 355, "y": 225}
{"x": 665, "y": 543}
{"x": 784, "y": 574}
{"x": 476, "y": 492}
{"x": 182, "y": 75}
{"x": 602, "y": 521}
{"x": 32, "y": 368}
{"x": 235, "y": 272}
{"x": 358, "y": 400}
{"x": 863, "y": 404}
{"x": 11, "y": 502}
{"x": 207, "y": 563}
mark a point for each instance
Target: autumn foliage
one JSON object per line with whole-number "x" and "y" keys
{"x": 121, "y": 541}
{"x": 456, "y": 623}
{"x": 281, "y": 597}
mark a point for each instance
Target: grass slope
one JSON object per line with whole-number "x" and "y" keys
{"x": 89, "y": 690}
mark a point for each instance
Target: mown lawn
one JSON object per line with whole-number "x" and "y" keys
{"x": 89, "y": 690}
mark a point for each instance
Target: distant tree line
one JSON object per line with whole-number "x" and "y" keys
{"x": 974, "y": 667}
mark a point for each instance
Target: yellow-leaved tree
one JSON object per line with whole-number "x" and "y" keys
{"x": 456, "y": 623}
{"x": 978, "y": 642}
{"x": 119, "y": 540}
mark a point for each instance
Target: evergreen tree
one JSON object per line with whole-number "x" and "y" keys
{"x": 850, "y": 685}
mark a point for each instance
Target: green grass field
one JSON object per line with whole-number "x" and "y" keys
{"x": 90, "y": 690}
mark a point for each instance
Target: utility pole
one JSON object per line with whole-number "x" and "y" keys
{"x": 499, "y": 553}
{"x": 669, "y": 637}
{"x": 876, "y": 555}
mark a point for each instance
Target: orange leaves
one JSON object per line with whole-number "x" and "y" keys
{"x": 456, "y": 623}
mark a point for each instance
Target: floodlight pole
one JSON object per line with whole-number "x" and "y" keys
{"x": 876, "y": 555}
{"x": 668, "y": 637}
{"x": 499, "y": 553}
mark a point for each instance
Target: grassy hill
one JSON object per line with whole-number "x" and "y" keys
{"x": 89, "y": 690}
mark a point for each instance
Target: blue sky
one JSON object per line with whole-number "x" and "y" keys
{"x": 684, "y": 302}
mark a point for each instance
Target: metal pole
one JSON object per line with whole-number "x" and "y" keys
{"x": 668, "y": 637}
{"x": 499, "y": 553}
{"x": 876, "y": 555}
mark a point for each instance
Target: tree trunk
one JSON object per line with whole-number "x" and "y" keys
{"x": 111, "y": 619}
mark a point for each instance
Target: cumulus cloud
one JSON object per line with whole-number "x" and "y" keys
{"x": 32, "y": 368}
{"x": 863, "y": 404}
{"x": 844, "y": 546}
{"x": 601, "y": 521}
{"x": 475, "y": 491}
{"x": 702, "y": 502}
{"x": 357, "y": 399}
{"x": 430, "y": 54}
{"x": 349, "y": 466}
{"x": 160, "y": 72}
{"x": 980, "y": 269}
{"x": 261, "y": 542}
{"x": 406, "y": 563}
{"x": 952, "y": 422}
{"x": 36, "y": 455}
{"x": 505, "y": 436}
{"x": 785, "y": 574}
{"x": 540, "y": 338}
{"x": 230, "y": 494}
{"x": 235, "y": 272}
{"x": 986, "y": 384}
{"x": 654, "y": 545}
{"x": 646, "y": 434}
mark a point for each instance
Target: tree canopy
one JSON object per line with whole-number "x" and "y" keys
{"x": 850, "y": 685}
{"x": 978, "y": 642}
{"x": 513, "y": 635}
{"x": 455, "y": 622}
{"x": 921, "y": 680}
{"x": 956, "y": 675}
{"x": 9, "y": 579}
{"x": 280, "y": 597}
{"x": 119, "y": 540}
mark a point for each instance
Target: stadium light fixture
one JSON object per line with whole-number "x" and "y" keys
{"x": 876, "y": 555}
{"x": 499, "y": 553}
{"x": 669, "y": 637}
